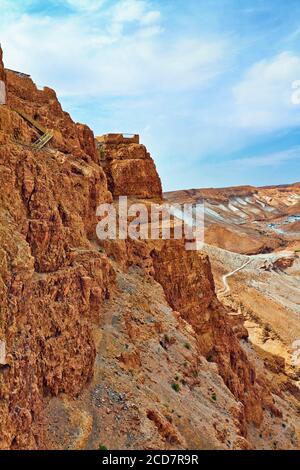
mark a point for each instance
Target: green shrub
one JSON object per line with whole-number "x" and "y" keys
{"x": 175, "y": 386}
{"x": 102, "y": 447}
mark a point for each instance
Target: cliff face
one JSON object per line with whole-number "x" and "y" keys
{"x": 44, "y": 107}
{"x": 129, "y": 168}
{"x": 84, "y": 324}
{"x": 189, "y": 286}
{"x": 52, "y": 284}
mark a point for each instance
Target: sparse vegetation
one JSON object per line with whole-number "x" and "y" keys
{"x": 187, "y": 346}
{"x": 101, "y": 152}
{"x": 175, "y": 386}
{"x": 214, "y": 397}
{"x": 102, "y": 447}
{"x": 166, "y": 341}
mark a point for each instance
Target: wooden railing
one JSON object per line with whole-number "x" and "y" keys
{"x": 46, "y": 134}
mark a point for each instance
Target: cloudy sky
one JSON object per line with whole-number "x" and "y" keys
{"x": 208, "y": 84}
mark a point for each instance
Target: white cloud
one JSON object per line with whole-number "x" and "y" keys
{"x": 168, "y": 82}
{"x": 83, "y": 58}
{"x": 8, "y": 8}
{"x": 270, "y": 160}
{"x": 134, "y": 10}
{"x": 262, "y": 100}
{"x": 85, "y": 5}
{"x": 151, "y": 17}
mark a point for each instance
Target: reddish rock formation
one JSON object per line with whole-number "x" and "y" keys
{"x": 52, "y": 281}
{"x": 129, "y": 168}
{"x": 217, "y": 195}
{"x": 189, "y": 287}
{"x": 284, "y": 263}
{"x": 233, "y": 240}
{"x": 44, "y": 107}
{"x": 188, "y": 283}
{"x": 55, "y": 282}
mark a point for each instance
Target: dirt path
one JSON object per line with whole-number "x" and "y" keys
{"x": 226, "y": 288}
{"x": 271, "y": 257}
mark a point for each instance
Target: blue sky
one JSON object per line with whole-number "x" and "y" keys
{"x": 206, "y": 83}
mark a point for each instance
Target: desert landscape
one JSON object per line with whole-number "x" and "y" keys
{"x": 137, "y": 344}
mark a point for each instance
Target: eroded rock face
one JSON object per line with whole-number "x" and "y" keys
{"x": 44, "y": 107}
{"x": 232, "y": 240}
{"x": 52, "y": 281}
{"x": 129, "y": 168}
{"x": 57, "y": 285}
{"x": 189, "y": 286}
{"x": 187, "y": 280}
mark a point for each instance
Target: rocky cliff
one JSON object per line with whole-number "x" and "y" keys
{"x": 129, "y": 168}
{"x": 189, "y": 286}
{"x": 52, "y": 284}
{"x": 121, "y": 343}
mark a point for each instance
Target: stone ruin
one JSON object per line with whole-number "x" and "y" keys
{"x": 119, "y": 139}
